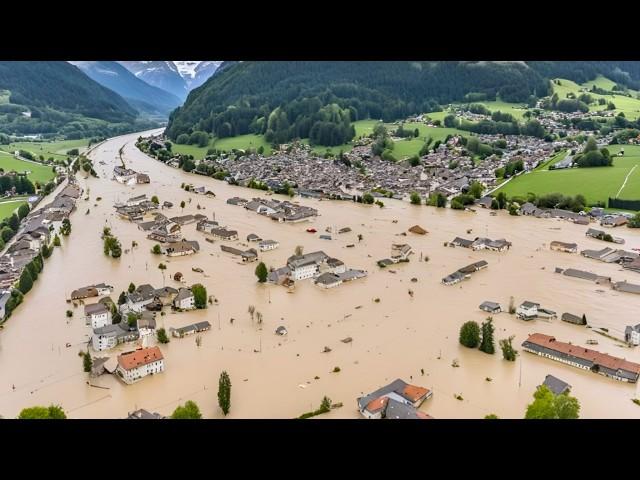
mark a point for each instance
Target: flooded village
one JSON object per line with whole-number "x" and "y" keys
{"x": 378, "y": 336}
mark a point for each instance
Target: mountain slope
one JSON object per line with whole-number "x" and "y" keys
{"x": 146, "y": 98}
{"x": 62, "y": 86}
{"x": 58, "y": 99}
{"x": 244, "y": 97}
{"x": 161, "y": 74}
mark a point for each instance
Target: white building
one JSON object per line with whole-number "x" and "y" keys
{"x": 107, "y": 337}
{"x": 306, "y": 266}
{"x": 134, "y": 366}
{"x": 184, "y": 300}
{"x": 527, "y": 310}
{"x": 632, "y": 335}
{"x": 268, "y": 245}
{"x": 97, "y": 315}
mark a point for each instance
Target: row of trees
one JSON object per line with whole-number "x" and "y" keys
{"x": 191, "y": 411}
{"x": 473, "y": 335}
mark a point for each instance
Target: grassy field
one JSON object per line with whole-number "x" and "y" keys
{"x": 596, "y": 184}
{"x": 8, "y": 206}
{"x": 38, "y": 173}
{"x": 57, "y": 150}
{"x": 630, "y": 106}
{"x": 241, "y": 142}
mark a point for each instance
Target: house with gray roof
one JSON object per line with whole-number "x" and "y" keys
{"x": 375, "y": 404}
{"x": 557, "y": 386}
{"x": 490, "y": 307}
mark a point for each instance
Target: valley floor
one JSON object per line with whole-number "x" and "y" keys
{"x": 275, "y": 377}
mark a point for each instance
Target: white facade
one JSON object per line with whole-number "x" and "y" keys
{"x": 135, "y": 306}
{"x": 306, "y": 271}
{"x": 635, "y": 337}
{"x": 268, "y": 245}
{"x": 103, "y": 342}
{"x": 98, "y": 320}
{"x": 185, "y": 303}
{"x": 135, "y": 374}
{"x": 103, "y": 290}
{"x": 525, "y": 311}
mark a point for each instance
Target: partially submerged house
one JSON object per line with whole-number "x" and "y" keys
{"x": 564, "y": 247}
{"x": 134, "y": 366}
{"x": 584, "y": 358}
{"x": 557, "y": 386}
{"x": 388, "y": 401}
{"x": 490, "y": 307}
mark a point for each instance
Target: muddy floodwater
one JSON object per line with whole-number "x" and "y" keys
{"x": 282, "y": 377}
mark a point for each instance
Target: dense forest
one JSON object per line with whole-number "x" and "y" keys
{"x": 286, "y": 100}
{"x": 56, "y": 98}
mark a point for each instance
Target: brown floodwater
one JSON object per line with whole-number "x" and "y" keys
{"x": 273, "y": 376}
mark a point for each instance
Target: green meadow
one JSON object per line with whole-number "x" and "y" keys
{"x": 37, "y": 172}
{"x": 58, "y": 150}
{"x": 596, "y": 184}
{"x": 8, "y": 206}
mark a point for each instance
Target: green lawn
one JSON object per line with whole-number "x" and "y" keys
{"x": 7, "y": 207}
{"x": 57, "y": 150}
{"x": 241, "y": 142}
{"x": 596, "y": 184}
{"x": 37, "y": 172}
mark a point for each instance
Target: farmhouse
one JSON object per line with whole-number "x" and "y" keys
{"x": 184, "y": 300}
{"x": 134, "y": 366}
{"x": 491, "y": 307}
{"x": 575, "y": 319}
{"x": 250, "y": 255}
{"x": 265, "y": 245}
{"x": 183, "y": 247}
{"x": 223, "y": 234}
{"x": 527, "y": 310}
{"x": 190, "y": 329}
{"x": 564, "y": 247}
{"x": 584, "y": 358}
{"x": 328, "y": 280}
{"x": 557, "y": 386}
{"x": 614, "y": 221}
{"x": 376, "y": 404}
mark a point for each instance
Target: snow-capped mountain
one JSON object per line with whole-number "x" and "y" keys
{"x": 178, "y": 77}
{"x": 161, "y": 74}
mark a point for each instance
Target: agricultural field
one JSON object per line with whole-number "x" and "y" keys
{"x": 57, "y": 150}
{"x": 630, "y": 106}
{"x": 37, "y": 172}
{"x": 226, "y": 144}
{"x": 596, "y": 184}
{"x": 8, "y": 206}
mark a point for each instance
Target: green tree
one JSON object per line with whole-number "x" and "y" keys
{"x": 14, "y": 222}
{"x": 325, "y": 405}
{"x": 414, "y": 161}
{"x": 23, "y": 211}
{"x": 367, "y": 198}
{"x": 65, "y": 229}
{"x": 415, "y": 198}
{"x": 131, "y": 288}
{"x": 87, "y": 362}
{"x": 546, "y": 405}
{"x": 476, "y": 189}
{"x": 491, "y": 416}
{"x": 200, "y": 295}
{"x": 26, "y": 282}
{"x": 182, "y": 204}
{"x": 487, "y": 345}
{"x": 508, "y": 352}
{"x": 502, "y": 199}
{"x": 132, "y": 319}
{"x": 52, "y": 412}
{"x": 188, "y": 411}
{"x": 224, "y": 392}
{"x": 470, "y": 334}
{"x": 155, "y": 200}
{"x": 156, "y": 250}
{"x": 162, "y": 267}
{"x": 261, "y": 272}
{"x": 635, "y": 221}
{"x": 161, "y": 334}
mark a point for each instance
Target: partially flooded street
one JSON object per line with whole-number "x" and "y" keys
{"x": 413, "y": 337}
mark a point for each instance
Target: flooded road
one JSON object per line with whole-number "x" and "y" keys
{"x": 275, "y": 377}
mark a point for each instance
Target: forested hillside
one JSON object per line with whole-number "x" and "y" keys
{"x": 56, "y": 98}
{"x": 318, "y": 100}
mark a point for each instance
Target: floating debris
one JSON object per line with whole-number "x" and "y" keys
{"x": 414, "y": 279}
{"x": 326, "y": 350}
{"x": 347, "y": 340}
